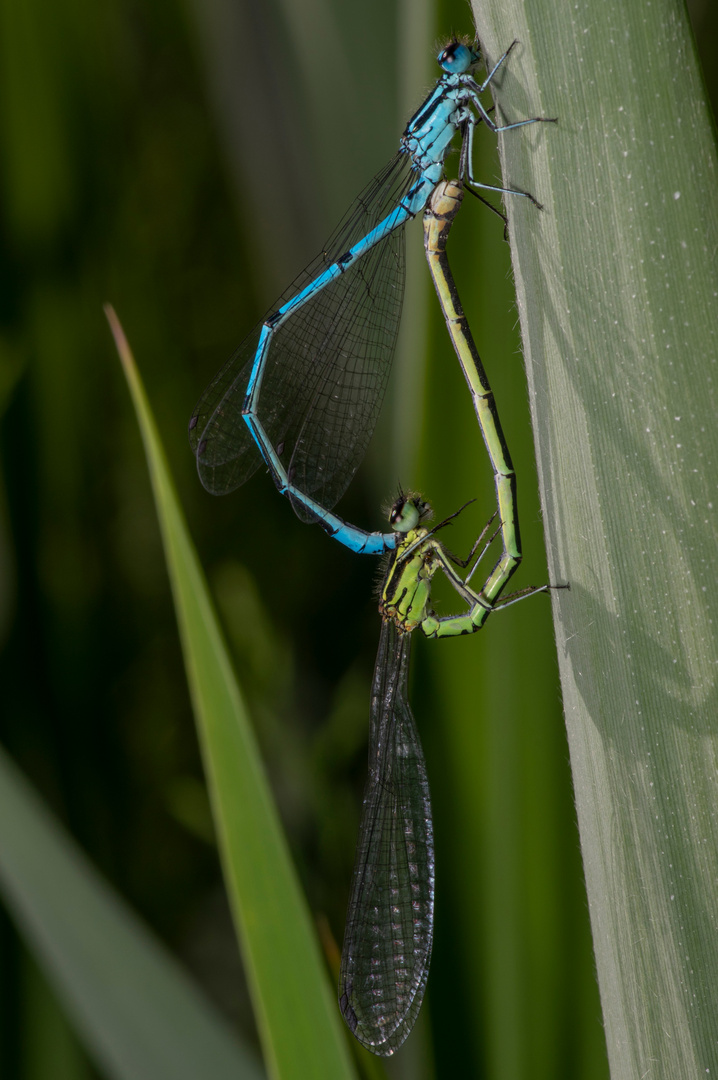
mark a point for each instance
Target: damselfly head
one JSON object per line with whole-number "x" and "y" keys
{"x": 408, "y": 511}
{"x": 458, "y": 56}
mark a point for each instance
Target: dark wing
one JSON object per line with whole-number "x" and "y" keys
{"x": 327, "y": 366}
{"x": 389, "y": 931}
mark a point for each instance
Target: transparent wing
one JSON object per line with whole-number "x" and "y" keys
{"x": 389, "y": 930}
{"x": 326, "y": 369}
{"x": 225, "y": 451}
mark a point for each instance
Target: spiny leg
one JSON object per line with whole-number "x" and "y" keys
{"x": 468, "y": 174}
{"x": 519, "y": 123}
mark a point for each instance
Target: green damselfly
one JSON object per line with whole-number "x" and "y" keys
{"x": 388, "y": 937}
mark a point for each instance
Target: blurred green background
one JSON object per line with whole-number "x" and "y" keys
{"x": 184, "y": 161}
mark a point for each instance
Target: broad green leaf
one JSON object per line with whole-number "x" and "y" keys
{"x": 617, "y": 283}
{"x": 295, "y": 1008}
{"x": 139, "y": 1014}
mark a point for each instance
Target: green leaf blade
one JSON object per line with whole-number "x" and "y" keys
{"x": 617, "y": 286}
{"x": 295, "y": 1009}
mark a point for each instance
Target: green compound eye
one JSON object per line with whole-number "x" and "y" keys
{"x": 404, "y": 514}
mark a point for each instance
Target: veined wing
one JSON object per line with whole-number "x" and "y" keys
{"x": 326, "y": 369}
{"x": 389, "y": 930}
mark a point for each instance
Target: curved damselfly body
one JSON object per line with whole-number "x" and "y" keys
{"x": 389, "y": 927}
{"x": 303, "y": 392}
{"x": 439, "y": 216}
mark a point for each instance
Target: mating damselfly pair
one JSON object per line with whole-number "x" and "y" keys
{"x": 302, "y": 394}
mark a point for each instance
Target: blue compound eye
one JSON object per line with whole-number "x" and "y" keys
{"x": 456, "y": 58}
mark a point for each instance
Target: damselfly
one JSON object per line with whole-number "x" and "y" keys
{"x": 389, "y": 927}
{"x": 304, "y": 390}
